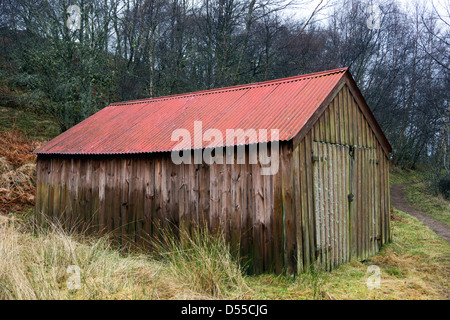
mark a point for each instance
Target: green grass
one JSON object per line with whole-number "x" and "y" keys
{"x": 416, "y": 265}
{"x": 406, "y": 176}
{"x": 418, "y": 195}
{"x": 32, "y": 125}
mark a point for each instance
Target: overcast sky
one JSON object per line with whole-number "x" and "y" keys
{"x": 306, "y": 7}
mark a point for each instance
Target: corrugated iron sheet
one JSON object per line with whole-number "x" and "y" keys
{"x": 146, "y": 126}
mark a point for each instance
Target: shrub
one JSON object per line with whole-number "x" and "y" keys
{"x": 444, "y": 188}
{"x": 17, "y": 171}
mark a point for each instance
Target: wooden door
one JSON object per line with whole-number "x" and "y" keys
{"x": 346, "y": 197}
{"x": 331, "y": 190}
{"x": 366, "y": 230}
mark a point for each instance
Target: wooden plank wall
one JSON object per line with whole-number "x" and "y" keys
{"x": 135, "y": 197}
{"x": 270, "y": 220}
{"x": 342, "y": 124}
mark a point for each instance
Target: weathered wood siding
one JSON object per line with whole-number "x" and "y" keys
{"x": 339, "y": 157}
{"x": 135, "y": 197}
{"x": 298, "y": 218}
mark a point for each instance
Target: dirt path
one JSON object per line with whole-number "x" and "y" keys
{"x": 398, "y": 201}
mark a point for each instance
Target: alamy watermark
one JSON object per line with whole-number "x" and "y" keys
{"x": 74, "y": 280}
{"x": 374, "y": 20}
{"x": 374, "y": 280}
{"x": 73, "y": 22}
{"x": 237, "y": 139}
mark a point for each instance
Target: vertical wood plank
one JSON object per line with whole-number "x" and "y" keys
{"x": 258, "y": 216}
{"x": 278, "y": 224}
{"x": 297, "y": 212}
{"x": 236, "y": 212}
{"x": 214, "y": 198}
{"x": 288, "y": 209}
{"x": 317, "y": 206}
{"x": 149, "y": 195}
{"x": 251, "y": 211}
{"x": 327, "y": 217}
{"x": 310, "y": 190}
{"x": 225, "y": 200}
{"x": 268, "y": 223}
{"x": 102, "y": 225}
{"x": 304, "y": 207}
{"x": 95, "y": 200}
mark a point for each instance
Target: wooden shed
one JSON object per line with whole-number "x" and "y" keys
{"x": 327, "y": 203}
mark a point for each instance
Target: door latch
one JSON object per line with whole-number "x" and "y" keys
{"x": 351, "y": 197}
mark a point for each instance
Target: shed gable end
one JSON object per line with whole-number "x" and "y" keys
{"x": 346, "y": 119}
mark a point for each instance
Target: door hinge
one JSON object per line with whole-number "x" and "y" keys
{"x": 318, "y": 158}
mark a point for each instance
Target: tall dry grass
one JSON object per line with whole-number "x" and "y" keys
{"x": 203, "y": 262}
{"x": 34, "y": 265}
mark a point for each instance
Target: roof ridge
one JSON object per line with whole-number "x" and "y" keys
{"x": 231, "y": 88}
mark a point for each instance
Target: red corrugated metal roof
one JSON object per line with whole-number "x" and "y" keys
{"x": 145, "y": 126}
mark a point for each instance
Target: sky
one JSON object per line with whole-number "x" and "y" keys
{"x": 304, "y": 8}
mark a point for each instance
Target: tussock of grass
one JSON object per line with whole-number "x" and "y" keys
{"x": 34, "y": 266}
{"x": 203, "y": 263}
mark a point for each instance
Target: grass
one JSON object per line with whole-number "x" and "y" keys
{"x": 416, "y": 265}
{"x": 204, "y": 263}
{"x": 406, "y": 176}
{"x": 418, "y": 195}
{"x": 32, "y": 125}
{"x": 34, "y": 265}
